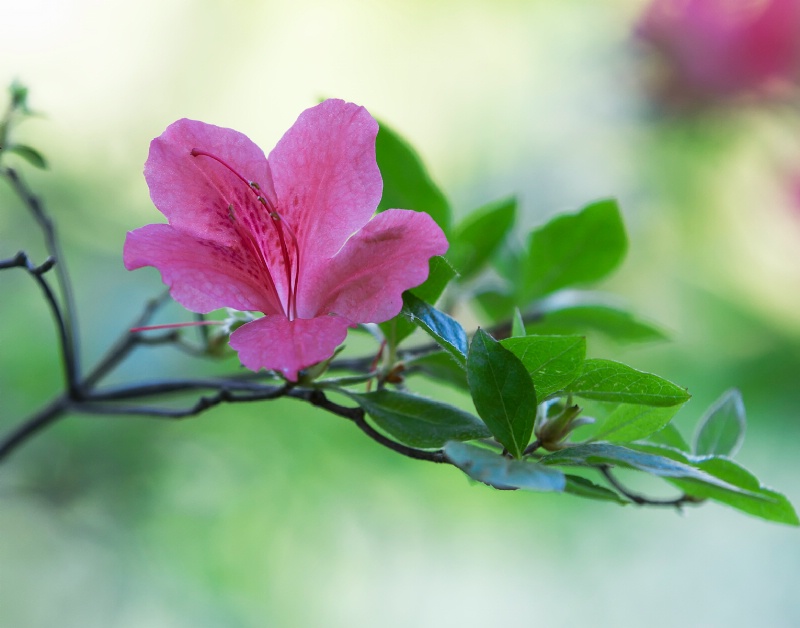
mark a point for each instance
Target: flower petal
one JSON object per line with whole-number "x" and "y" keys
{"x": 366, "y": 279}
{"x": 194, "y": 192}
{"x": 326, "y": 177}
{"x": 202, "y": 275}
{"x": 278, "y": 344}
{"x": 208, "y": 194}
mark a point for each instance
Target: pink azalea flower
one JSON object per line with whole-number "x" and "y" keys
{"x": 719, "y": 49}
{"x": 292, "y": 236}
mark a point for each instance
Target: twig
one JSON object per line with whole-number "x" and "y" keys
{"x": 68, "y": 312}
{"x": 46, "y": 416}
{"x": 641, "y": 500}
{"x": 21, "y": 260}
{"x": 320, "y": 400}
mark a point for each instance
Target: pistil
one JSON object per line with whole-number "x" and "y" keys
{"x": 278, "y": 224}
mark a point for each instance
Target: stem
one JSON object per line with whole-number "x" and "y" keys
{"x": 641, "y": 500}
{"x": 42, "y": 419}
{"x": 69, "y": 316}
{"x": 21, "y": 260}
{"x": 317, "y": 398}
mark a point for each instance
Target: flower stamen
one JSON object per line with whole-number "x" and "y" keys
{"x": 277, "y": 222}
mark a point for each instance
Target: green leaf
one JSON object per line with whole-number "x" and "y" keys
{"x": 19, "y": 96}
{"x": 417, "y": 421}
{"x": 605, "y": 380}
{"x": 439, "y": 275}
{"x": 593, "y": 454}
{"x": 747, "y": 494}
{"x": 766, "y": 504}
{"x": 496, "y": 305}
{"x": 585, "y": 488}
{"x": 441, "y": 367}
{"x": 720, "y": 431}
{"x": 480, "y": 234}
{"x": 443, "y": 329}
{"x": 495, "y": 470}
{"x": 632, "y": 422}
{"x": 502, "y": 391}
{"x": 517, "y": 324}
{"x": 575, "y": 249}
{"x": 616, "y": 324}
{"x": 406, "y": 184}
{"x": 32, "y": 156}
{"x": 669, "y": 436}
{"x": 551, "y": 361}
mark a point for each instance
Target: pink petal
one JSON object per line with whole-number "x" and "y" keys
{"x": 203, "y": 275}
{"x": 208, "y": 195}
{"x": 366, "y": 279}
{"x": 278, "y": 344}
{"x": 194, "y": 192}
{"x": 326, "y": 178}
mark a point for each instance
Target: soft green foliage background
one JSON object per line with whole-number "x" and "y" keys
{"x": 275, "y": 515}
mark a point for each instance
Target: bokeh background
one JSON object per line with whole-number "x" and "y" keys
{"x": 274, "y": 515}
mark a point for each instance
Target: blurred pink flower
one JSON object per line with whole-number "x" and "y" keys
{"x": 721, "y": 49}
{"x": 292, "y": 236}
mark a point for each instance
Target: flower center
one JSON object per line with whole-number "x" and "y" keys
{"x": 282, "y": 230}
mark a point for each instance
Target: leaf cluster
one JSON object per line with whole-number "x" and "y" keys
{"x": 541, "y": 415}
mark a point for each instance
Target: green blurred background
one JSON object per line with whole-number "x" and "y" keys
{"x": 274, "y": 515}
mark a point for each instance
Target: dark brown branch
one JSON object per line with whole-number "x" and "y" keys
{"x": 68, "y": 309}
{"x": 42, "y": 419}
{"x": 320, "y": 400}
{"x": 641, "y": 500}
{"x": 21, "y": 260}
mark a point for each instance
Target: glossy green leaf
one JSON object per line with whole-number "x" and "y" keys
{"x": 502, "y": 391}
{"x": 586, "y": 488}
{"x": 720, "y": 431}
{"x": 418, "y": 421}
{"x": 476, "y": 239}
{"x": 629, "y": 422}
{"x": 616, "y": 324}
{"x": 495, "y": 470}
{"x": 441, "y": 367}
{"x": 574, "y": 250}
{"x": 748, "y": 495}
{"x": 551, "y": 361}
{"x": 605, "y": 380}
{"x": 32, "y": 156}
{"x": 439, "y": 275}
{"x": 447, "y": 332}
{"x": 406, "y": 183}
{"x": 593, "y": 454}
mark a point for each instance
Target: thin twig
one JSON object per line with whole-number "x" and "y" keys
{"x": 641, "y": 500}
{"x": 320, "y": 400}
{"x": 224, "y": 395}
{"x": 21, "y": 260}
{"x": 53, "y": 247}
{"x": 45, "y": 417}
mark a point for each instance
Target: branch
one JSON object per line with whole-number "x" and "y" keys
{"x": 21, "y": 260}
{"x": 320, "y": 400}
{"x": 641, "y": 500}
{"x": 47, "y": 415}
{"x": 224, "y": 395}
{"x": 53, "y": 247}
